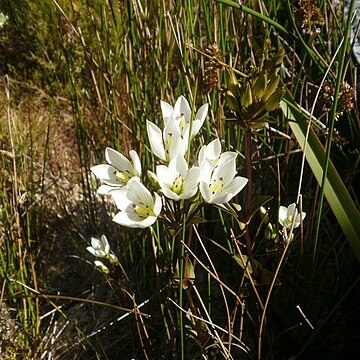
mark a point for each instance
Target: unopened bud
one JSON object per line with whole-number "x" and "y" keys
{"x": 231, "y": 101}
{"x": 268, "y": 231}
{"x": 153, "y": 179}
{"x": 232, "y": 82}
{"x": 189, "y": 271}
{"x": 273, "y": 102}
{"x": 278, "y": 59}
{"x": 259, "y": 85}
{"x": 271, "y": 88}
{"x": 246, "y": 97}
{"x": 103, "y": 268}
{"x": 264, "y": 215}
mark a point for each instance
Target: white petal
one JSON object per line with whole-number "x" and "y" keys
{"x": 206, "y": 169}
{"x": 181, "y": 165}
{"x": 91, "y": 250}
{"x": 292, "y": 210}
{"x": 162, "y": 174}
{"x": 213, "y": 149}
{"x": 182, "y": 107}
{"x": 195, "y": 127}
{"x": 95, "y": 243}
{"x": 106, "y": 173}
{"x": 139, "y": 193}
{"x": 121, "y": 198}
{"x": 106, "y": 189}
{"x": 188, "y": 194}
{"x": 297, "y": 221}
{"x": 156, "y": 140}
{"x": 178, "y": 147}
{"x": 170, "y": 194}
{"x": 220, "y": 198}
{"x": 157, "y": 204}
{"x": 123, "y": 219}
{"x": 146, "y": 222}
{"x": 166, "y": 110}
{"x": 282, "y": 215}
{"x": 117, "y": 160}
{"x": 192, "y": 179}
{"x": 105, "y": 244}
{"x": 237, "y": 184}
{"x": 202, "y": 113}
{"x": 201, "y": 155}
{"x": 205, "y": 191}
{"x": 227, "y": 155}
{"x": 226, "y": 170}
{"x": 136, "y": 162}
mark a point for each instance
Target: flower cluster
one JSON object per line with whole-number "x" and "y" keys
{"x": 211, "y": 179}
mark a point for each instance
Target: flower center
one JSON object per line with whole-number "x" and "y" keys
{"x": 216, "y": 185}
{"x": 177, "y": 186}
{"x": 288, "y": 221}
{"x": 123, "y": 176}
{"x": 143, "y": 211}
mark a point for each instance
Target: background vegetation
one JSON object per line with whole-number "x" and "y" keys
{"x": 80, "y": 75}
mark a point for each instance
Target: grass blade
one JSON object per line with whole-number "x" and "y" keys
{"x": 335, "y": 191}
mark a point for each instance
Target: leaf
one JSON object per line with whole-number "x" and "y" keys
{"x": 243, "y": 261}
{"x": 196, "y": 220}
{"x": 335, "y": 191}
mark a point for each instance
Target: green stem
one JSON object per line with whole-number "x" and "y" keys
{"x": 181, "y": 274}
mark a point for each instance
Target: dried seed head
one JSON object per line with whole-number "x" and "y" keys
{"x": 309, "y": 16}
{"x": 211, "y": 65}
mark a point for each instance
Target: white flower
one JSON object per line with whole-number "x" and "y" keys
{"x": 177, "y": 181}
{"x": 3, "y": 19}
{"x": 138, "y": 208}
{"x": 212, "y": 151}
{"x": 99, "y": 248}
{"x": 168, "y": 143}
{"x": 118, "y": 171}
{"x": 181, "y": 113}
{"x": 289, "y": 215}
{"x": 218, "y": 184}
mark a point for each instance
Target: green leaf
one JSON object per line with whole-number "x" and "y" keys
{"x": 335, "y": 191}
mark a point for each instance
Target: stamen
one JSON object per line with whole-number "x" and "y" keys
{"x": 143, "y": 211}
{"x": 178, "y": 184}
{"x": 123, "y": 176}
{"x": 216, "y": 185}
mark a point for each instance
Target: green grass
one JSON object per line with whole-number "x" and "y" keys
{"x": 78, "y": 76}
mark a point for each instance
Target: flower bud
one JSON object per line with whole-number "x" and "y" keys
{"x": 231, "y": 101}
{"x": 264, "y": 215}
{"x": 271, "y": 88}
{"x": 153, "y": 179}
{"x": 273, "y": 102}
{"x": 278, "y": 59}
{"x": 232, "y": 82}
{"x": 103, "y": 268}
{"x": 259, "y": 85}
{"x": 246, "y": 98}
{"x": 268, "y": 231}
